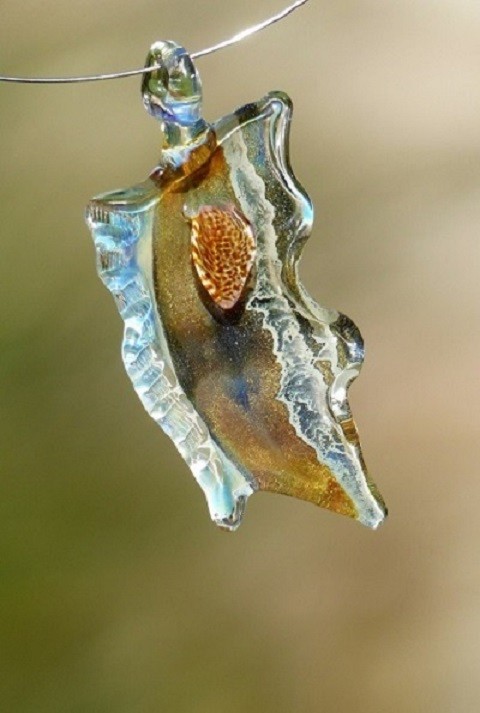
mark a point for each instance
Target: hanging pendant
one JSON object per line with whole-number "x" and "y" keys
{"x": 226, "y": 350}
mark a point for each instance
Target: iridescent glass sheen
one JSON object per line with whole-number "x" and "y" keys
{"x": 225, "y": 348}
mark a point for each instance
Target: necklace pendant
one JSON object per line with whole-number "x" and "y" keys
{"x": 226, "y": 350}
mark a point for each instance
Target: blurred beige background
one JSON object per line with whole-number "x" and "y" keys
{"x": 117, "y": 595}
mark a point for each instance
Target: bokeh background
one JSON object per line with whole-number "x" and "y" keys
{"x": 117, "y": 595}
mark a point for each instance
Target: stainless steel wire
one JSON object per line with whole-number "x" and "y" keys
{"x": 239, "y": 37}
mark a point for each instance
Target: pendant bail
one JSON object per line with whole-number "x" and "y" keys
{"x": 172, "y": 94}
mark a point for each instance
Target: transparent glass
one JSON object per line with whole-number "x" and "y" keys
{"x": 225, "y": 348}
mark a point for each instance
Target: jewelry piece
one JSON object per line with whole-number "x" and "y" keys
{"x": 226, "y": 350}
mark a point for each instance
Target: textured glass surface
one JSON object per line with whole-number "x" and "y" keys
{"x": 226, "y": 350}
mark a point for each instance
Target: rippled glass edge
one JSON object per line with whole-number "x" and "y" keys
{"x": 123, "y": 249}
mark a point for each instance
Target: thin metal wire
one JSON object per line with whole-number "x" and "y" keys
{"x": 239, "y": 37}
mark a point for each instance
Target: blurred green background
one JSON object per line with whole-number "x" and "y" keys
{"x": 117, "y": 595}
